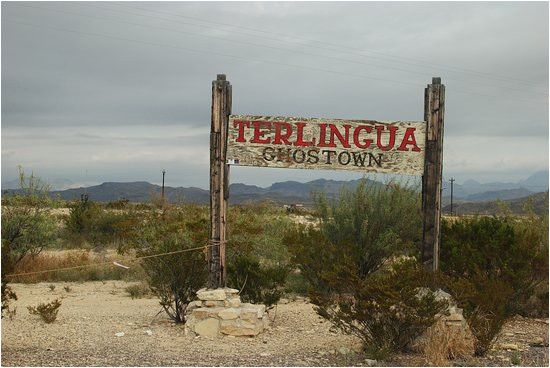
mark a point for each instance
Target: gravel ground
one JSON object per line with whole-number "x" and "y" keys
{"x": 93, "y": 312}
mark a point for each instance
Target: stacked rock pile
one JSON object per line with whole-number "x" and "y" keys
{"x": 220, "y": 312}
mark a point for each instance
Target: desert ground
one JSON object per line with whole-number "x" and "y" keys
{"x": 93, "y": 316}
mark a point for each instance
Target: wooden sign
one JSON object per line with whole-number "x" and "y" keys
{"x": 400, "y": 147}
{"x": 330, "y": 144}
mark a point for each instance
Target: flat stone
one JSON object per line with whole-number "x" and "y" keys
{"x": 210, "y": 327}
{"x": 195, "y": 304}
{"x": 240, "y": 328}
{"x": 214, "y": 294}
{"x": 371, "y": 362}
{"x": 213, "y": 303}
{"x": 200, "y": 313}
{"x": 229, "y": 313}
{"x": 234, "y": 302}
{"x": 249, "y": 314}
{"x": 283, "y": 301}
{"x": 230, "y": 292}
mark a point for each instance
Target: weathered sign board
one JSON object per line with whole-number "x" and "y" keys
{"x": 331, "y": 144}
{"x": 399, "y": 147}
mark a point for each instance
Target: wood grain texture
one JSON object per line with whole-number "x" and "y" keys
{"x": 219, "y": 181}
{"x": 292, "y": 151}
{"x": 434, "y": 111}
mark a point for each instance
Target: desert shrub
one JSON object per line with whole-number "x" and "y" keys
{"x": 258, "y": 283}
{"x": 492, "y": 272}
{"x": 46, "y": 311}
{"x": 255, "y": 230}
{"x": 356, "y": 278}
{"x": 118, "y": 204}
{"x": 89, "y": 222}
{"x": 176, "y": 277}
{"x": 27, "y": 228}
{"x": 378, "y": 220}
{"x": 137, "y": 291}
{"x": 386, "y": 310}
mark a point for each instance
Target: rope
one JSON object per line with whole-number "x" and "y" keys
{"x": 109, "y": 262}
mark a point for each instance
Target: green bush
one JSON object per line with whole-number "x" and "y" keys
{"x": 46, "y": 311}
{"x": 173, "y": 278}
{"x": 377, "y": 220}
{"x": 354, "y": 265}
{"x": 89, "y": 221}
{"x": 492, "y": 270}
{"x": 386, "y": 310}
{"x": 258, "y": 284}
{"x": 27, "y": 229}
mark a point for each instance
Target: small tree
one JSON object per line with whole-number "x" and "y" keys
{"x": 493, "y": 266}
{"x": 27, "y": 228}
{"x": 174, "y": 278}
{"x": 352, "y": 262}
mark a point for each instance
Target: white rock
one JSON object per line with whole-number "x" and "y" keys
{"x": 209, "y": 327}
{"x": 234, "y": 302}
{"x": 230, "y": 291}
{"x": 215, "y": 294}
{"x": 229, "y": 313}
{"x": 283, "y": 301}
{"x": 148, "y": 332}
{"x": 119, "y": 334}
{"x": 371, "y": 362}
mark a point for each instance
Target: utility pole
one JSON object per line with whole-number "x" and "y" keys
{"x": 163, "y": 172}
{"x": 452, "y": 181}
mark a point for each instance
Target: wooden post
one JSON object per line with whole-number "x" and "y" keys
{"x": 219, "y": 174}
{"x": 434, "y": 111}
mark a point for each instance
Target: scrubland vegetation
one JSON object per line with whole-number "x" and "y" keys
{"x": 356, "y": 259}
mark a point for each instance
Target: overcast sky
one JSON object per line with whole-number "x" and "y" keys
{"x": 118, "y": 91}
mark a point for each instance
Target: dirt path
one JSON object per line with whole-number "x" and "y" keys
{"x": 93, "y": 312}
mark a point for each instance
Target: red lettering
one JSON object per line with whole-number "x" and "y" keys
{"x": 409, "y": 139}
{"x": 300, "y": 138}
{"x": 335, "y": 132}
{"x": 282, "y": 137}
{"x": 323, "y": 135}
{"x": 241, "y": 124}
{"x": 391, "y": 143}
{"x": 259, "y": 135}
{"x": 367, "y": 142}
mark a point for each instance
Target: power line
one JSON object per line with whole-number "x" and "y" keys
{"x": 424, "y": 74}
{"x": 335, "y": 47}
{"x": 242, "y": 42}
{"x": 307, "y": 68}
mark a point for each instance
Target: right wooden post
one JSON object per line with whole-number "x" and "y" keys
{"x": 434, "y": 111}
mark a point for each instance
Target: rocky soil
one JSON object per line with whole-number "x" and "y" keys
{"x": 100, "y": 325}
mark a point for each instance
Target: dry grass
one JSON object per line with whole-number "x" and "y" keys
{"x": 96, "y": 269}
{"x": 443, "y": 343}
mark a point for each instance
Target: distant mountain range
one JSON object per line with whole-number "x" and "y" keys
{"x": 472, "y": 190}
{"x": 283, "y": 193}
{"x": 465, "y": 196}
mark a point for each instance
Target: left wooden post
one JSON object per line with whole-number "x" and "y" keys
{"x": 219, "y": 181}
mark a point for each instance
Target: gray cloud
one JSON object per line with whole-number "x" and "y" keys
{"x": 124, "y": 92}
